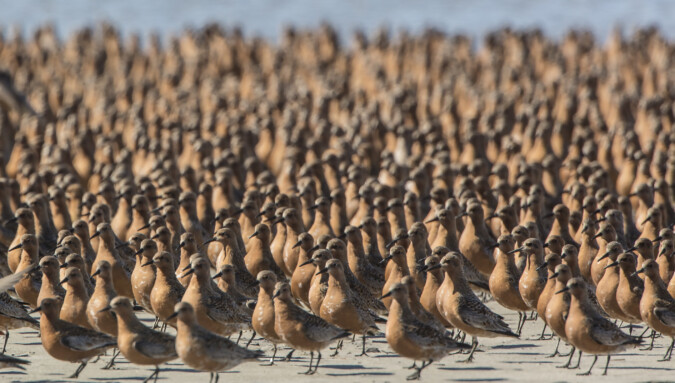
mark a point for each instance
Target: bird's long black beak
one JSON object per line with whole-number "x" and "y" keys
{"x": 385, "y": 259}
{"x": 191, "y": 271}
{"x": 615, "y": 263}
{"x": 37, "y": 309}
{"x": 15, "y": 248}
{"x": 563, "y": 290}
{"x": 387, "y": 295}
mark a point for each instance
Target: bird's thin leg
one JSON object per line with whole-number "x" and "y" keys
{"x": 311, "y": 360}
{"x": 110, "y": 364}
{"x": 418, "y": 371}
{"x": 543, "y": 330}
{"x": 289, "y": 356}
{"x": 644, "y": 332}
{"x": 318, "y": 360}
{"x": 567, "y": 365}
{"x": 651, "y": 345}
{"x": 474, "y": 343}
{"x": 669, "y": 352}
{"x": 274, "y": 353}
{"x": 363, "y": 346}
{"x": 578, "y": 361}
{"x": 522, "y": 317}
{"x": 568, "y": 354}
{"x": 156, "y": 324}
{"x": 338, "y": 347}
{"x": 154, "y": 374}
{"x": 216, "y": 377}
{"x": 250, "y": 340}
{"x": 414, "y": 365}
{"x": 239, "y": 337}
{"x": 163, "y": 329}
{"x": 595, "y": 359}
{"x": 79, "y": 369}
{"x": 4, "y": 346}
{"x": 606, "y": 365}
{"x": 556, "y": 349}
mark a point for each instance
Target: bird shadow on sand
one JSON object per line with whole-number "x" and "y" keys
{"x": 362, "y": 374}
{"x": 10, "y": 373}
{"x": 392, "y": 355}
{"x": 349, "y": 367}
{"x": 640, "y": 368}
{"x": 511, "y": 346}
{"x": 468, "y": 368}
{"x": 529, "y": 361}
{"x": 352, "y": 367}
{"x": 29, "y": 343}
{"x": 47, "y": 381}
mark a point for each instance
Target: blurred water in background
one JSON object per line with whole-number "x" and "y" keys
{"x": 266, "y": 18}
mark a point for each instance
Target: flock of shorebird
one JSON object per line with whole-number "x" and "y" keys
{"x": 308, "y": 192}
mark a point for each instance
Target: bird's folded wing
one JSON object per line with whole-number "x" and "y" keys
{"x": 474, "y": 313}
{"x": 13, "y": 309}
{"x": 9, "y": 281}
{"x": 606, "y": 333}
{"x": 87, "y": 341}
{"x": 318, "y": 329}
{"x": 422, "y": 334}
{"x": 160, "y": 348}
{"x": 665, "y": 315}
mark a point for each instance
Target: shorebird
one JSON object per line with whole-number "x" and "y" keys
{"x": 50, "y": 287}
{"x": 657, "y": 306}
{"x": 589, "y": 331}
{"x": 74, "y": 309}
{"x": 342, "y": 308}
{"x": 558, "y": 308}
{"x": 263, "y": 315}
{"x": 167, "y": 291}
{"x": 300, "y": 329}
{"x": 138, "y": 343}
{"x": 67, "y": 341}
{"x": 104, "y": 292}
{"x": 460, "y": 306}
{"x": 13, "y": 315}
{"x": 214, "y": 309}
{"x": 204, "y": 350}
{"x": 319, "y": 283}
{"x": 412, "y": 338}
{"x": 503, "y": 283}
